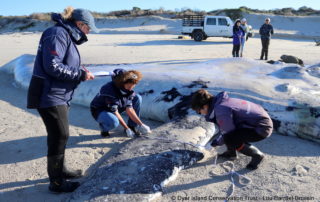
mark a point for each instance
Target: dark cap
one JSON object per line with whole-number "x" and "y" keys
{"x": 86, "y": 17}
{"x": 118, "y": 72}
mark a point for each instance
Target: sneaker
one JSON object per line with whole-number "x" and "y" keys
{"x": 105, "y": 133}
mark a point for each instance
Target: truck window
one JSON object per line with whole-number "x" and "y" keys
{"x": 211, "y": 21}
{"x": 222, "y": 21}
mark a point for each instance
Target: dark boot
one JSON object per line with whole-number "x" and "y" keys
{"x": 63, "y": 186}
{"x": 70, "y": 174}
{"x": 230, "y": 154}
{"x": 262, "y": 54}
{"x": 55, "y": 171}
{"x": 255, "y": 153}
{"x": 266, "y": 55}
{"x": 105, "y": 133}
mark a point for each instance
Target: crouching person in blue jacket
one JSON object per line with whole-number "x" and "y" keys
{"x": 116, "y": 97}
{"x": 240, "y": 123}
{"x": 57, "y": 72}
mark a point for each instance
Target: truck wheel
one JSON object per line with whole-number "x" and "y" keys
{"x": 198, "y": 35}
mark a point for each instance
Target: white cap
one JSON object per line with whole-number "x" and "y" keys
{"x": 243, "y": 20}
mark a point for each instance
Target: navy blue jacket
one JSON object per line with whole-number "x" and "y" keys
{"x": 57, "y": 70}
{"x": 238, "y": 34}
{"x": 111, "y": 99}
{"x": 265, "y": 31}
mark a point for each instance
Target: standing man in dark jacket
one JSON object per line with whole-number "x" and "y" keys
{"x": 266, "y": 30}
{"x": 240, "y": 122}
{"x": 57, "y": 72}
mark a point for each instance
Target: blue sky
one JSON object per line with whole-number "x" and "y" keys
{"x": 26, "y": 7}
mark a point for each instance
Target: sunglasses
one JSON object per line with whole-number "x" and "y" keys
{"x": 85, "y": 25}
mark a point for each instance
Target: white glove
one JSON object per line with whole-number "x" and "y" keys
{"x": 144, "y": 129}
{"x": 130, "y": 133}
{"x": 207, "y": 147}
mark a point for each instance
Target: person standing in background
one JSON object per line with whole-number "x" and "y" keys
{"x": 57, "y": 72}
{"x": 266, "y": 30}
{"x": 238, "y": 33}
{"x": 245, "y": 28}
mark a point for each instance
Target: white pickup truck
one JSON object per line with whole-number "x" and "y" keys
{"x": 201, "y": 27}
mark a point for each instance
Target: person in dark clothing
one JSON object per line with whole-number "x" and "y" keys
{"x": 116, "y": 97}
{"x": 57, "y": 72}
{"x": 240, "y": 122}
{"x": 266, "y": 30}
{"x": 238, "y": 35}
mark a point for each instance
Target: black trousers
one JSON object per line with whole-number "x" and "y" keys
{"x": 236, "y": 138}
{"x": 265, "y": 47}
{"x": 235, "y": 50}
{"x": 57, "y": 126}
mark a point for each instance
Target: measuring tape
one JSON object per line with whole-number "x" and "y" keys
{"x": 230, "y": 165}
